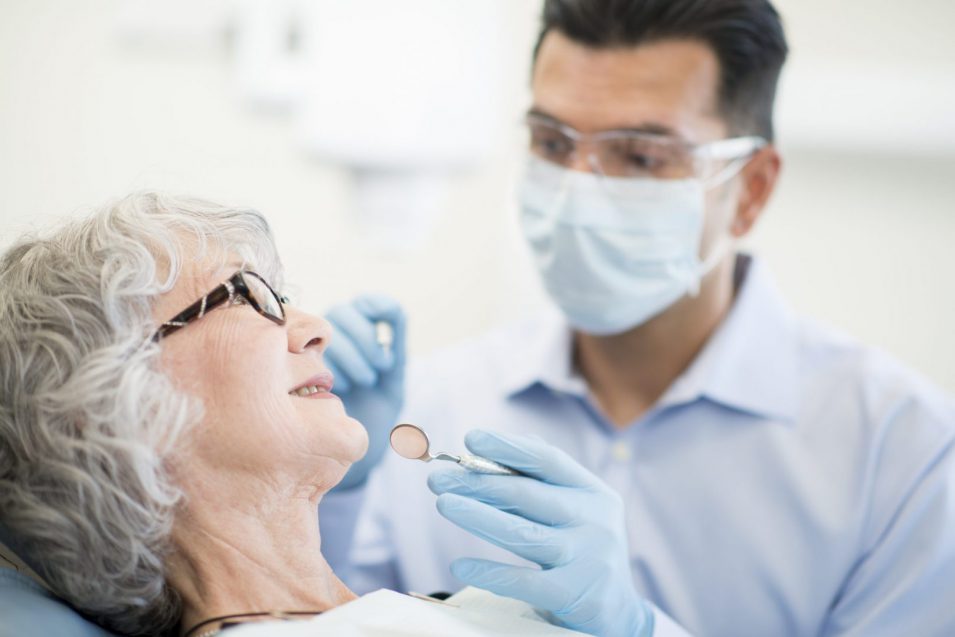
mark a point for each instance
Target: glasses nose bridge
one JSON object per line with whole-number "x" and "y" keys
{"x": 585, "y": 156}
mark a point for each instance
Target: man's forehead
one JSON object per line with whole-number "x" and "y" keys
{"x": 665, "y": 84}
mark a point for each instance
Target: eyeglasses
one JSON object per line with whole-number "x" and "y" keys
{"x": 242, "y": 287}
{"x": 624, "y": 153}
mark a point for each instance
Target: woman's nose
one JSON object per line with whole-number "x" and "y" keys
{"x": 307, "y": 331}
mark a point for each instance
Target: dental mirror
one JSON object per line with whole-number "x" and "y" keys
{"x": 411, "y": 442}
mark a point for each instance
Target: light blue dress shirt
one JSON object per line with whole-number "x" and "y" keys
{"x": 790, "y": 482}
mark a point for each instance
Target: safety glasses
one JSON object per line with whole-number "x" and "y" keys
{"x": 242, "y": 287}
{"x": 627, "y": 153}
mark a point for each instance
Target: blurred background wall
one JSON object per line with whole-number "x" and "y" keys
{"x": 101, "y": 97}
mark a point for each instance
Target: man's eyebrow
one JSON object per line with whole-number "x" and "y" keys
{"x": 650, "y": 128}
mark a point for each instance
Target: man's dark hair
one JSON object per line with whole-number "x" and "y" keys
{"x": 746, "y": 36}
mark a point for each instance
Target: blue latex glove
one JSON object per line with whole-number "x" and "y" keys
{"x": 368, "y": 379}
{"x": 563, "y": 518}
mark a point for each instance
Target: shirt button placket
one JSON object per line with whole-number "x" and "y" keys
{"x": 621, "y": 451}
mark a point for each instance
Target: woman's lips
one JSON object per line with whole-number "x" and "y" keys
{"x": 318, "y": 386}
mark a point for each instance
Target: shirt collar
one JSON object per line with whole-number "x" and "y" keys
{"x": 547, "y": 358}
{"x": 748, "y": 364}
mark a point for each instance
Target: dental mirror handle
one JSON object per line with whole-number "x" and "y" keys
{"x": 477, "y": 464}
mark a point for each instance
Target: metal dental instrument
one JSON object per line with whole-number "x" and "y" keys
{"x": 384, "y": 335}
{"x": 411, "y": 442}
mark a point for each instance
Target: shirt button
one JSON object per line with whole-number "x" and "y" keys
{"x": 621, "y": 451}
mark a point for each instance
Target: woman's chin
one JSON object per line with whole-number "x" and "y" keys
{"x": 344, "y": 439}
{"x": 359, "y": 439}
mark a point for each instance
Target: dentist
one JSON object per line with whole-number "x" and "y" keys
{"x": 714, "y": 463}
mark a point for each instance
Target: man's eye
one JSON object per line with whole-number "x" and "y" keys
{"x": 556, "y": 146}
{"x": 644, "y": 161}
{"x": 551, "y": 146}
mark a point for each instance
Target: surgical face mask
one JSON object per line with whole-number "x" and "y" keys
{"x": 614, "y": 252}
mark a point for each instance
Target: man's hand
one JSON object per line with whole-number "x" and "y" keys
{"x": 560, "y": 516}
{"x": 368, "y": 378}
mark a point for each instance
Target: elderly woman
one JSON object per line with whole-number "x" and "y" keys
{"x": 166, "y": 423}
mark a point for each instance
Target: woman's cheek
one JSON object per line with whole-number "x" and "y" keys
{"x": 273, "y": 414}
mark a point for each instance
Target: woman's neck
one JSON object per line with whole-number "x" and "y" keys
{"x": 229, "y": 560}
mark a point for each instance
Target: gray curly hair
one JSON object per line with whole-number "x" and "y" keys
{"x": 87, "y": 418}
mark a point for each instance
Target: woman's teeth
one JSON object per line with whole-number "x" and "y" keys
{"x": 308, "y": 390}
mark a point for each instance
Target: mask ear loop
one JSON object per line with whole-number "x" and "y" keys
{"x": 724, "y": 244}
{"x": 692, "y": 279}
{"x": 749, "y": 147}
{"x": 722, "y": 247}
{"x": 728, "y": 172}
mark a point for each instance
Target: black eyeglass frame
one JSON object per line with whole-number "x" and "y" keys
{"x": 226, "y": 292}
